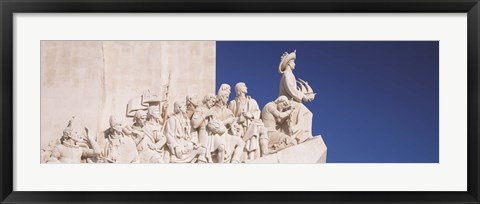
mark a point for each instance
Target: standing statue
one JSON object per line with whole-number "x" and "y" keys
{"x": 247, "y": 114}
{"x": 177, "y": 131}
{"x": 300, "y": 124}
{"x": 117, "y": 147}
{"x": 155, "y": 140}
{"x": 192, "y": 106}
{"x": 274, "y": 115}
{"x": 199, "y": 121}
{"x": 72, "y": 147}
{"x": 220, "y": 109}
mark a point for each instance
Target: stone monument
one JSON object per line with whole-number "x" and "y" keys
{"x": 211, "y": 131}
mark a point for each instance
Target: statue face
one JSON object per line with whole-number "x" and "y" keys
{"x": 292, "y": 64}
{"x": 183, "y": 107}
{"x": 225, "y": 88}
{"x": 140, "y": 121}
{"x": 117, "y": 128}
{"x": 154, "y": 112}
{"x": 210, "y": 102}
{"x": 224, "y": 98}
{"x": 75, "y": 134}
{"x": 194, "y": 100}
{"x": 244, "y": 89}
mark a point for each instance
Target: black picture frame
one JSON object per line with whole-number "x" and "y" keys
{"x": 10, "y": 7}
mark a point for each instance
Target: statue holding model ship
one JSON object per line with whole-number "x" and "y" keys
{"x": 300, "y": 122}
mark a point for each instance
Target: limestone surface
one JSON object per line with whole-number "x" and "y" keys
{"x": 311, "y": 151}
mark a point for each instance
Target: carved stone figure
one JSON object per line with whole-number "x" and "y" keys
{"x": 247, "y": 114}
{"x": 225, "y": 88}
{"x": 177, "y": 131}
{"x": 274, "y": 116}
{"x": 192, "y": 103}
{"x": 74, "y": 144}
{"x": 300, "y": 124}
{"x": 117, "y": 147}
{"x": 46, "y": 152}
{"x": 227, "y": 148}
{"x": 148, "y": 138}
{"x": 199, "y": 121}
{"x": 192, "y": 106}
{"x": 220, "y": 109}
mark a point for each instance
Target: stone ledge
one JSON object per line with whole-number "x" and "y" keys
{"x": 311, "y": 151}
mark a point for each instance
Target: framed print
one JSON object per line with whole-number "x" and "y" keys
{"x": 257, "y": 102}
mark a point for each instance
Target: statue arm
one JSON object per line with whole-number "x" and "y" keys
{"x": 279, "y": 116}
{"x": 230, "y": 119}
{"x": 95, "y": 151}
{"x": 255, "y": 109}
{"x": 160, "y": 139}
{"x": 197, "y": 119}
{"x": 271, "y": 108}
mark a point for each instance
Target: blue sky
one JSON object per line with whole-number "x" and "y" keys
{"x": 376, "y": 102}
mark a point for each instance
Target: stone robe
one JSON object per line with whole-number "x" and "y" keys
{"x": 252, "y": 129}
{"x": 150, "y": 141}
{"x": 196, "y": 121}
{"x": 177, "y": 130}
{"x": 300, "y": 124}
{"x": 119, "y": 150}
{"x": 233, "y": 146}
{"x": 66, "y": 154}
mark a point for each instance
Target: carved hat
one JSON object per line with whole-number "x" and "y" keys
{"x": 71, "y": 124}
{"x": 286, "y": 57}
{"x": 114, "y": 121}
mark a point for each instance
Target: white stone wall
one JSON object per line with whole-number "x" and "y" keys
{"x": 95, "y": 79}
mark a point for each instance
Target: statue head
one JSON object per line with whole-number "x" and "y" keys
{"x": 287, "y": 60}
{"x": 153, "y": 112}
{"x": 224, "y": 88}
{"x": 179, "y": 107}
{"x": 222, "y": 98}
{"x": 282, "y": 103}
{"x": 192, "y": 100}
{"x": 140, "y": 118}
{"x": 115, "y": 124}
{"x": 209, "y": 100}
{"x": 241, "y": 88}
{"x": 72, "y": 131}
{"x": 223, "y": 94}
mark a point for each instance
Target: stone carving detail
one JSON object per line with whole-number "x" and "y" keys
{"x": 300, "y": 122}
{"x": 179, "y": 142}
{"x": 275, "y": 116}
{"x": 247, "y": 115}
{"x": 201, "y": 129}
{"x": 75, "y": 144}
{"x": 118, "y": 147}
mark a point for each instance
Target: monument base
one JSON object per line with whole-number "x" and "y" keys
{"x": 311, "y": 151}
